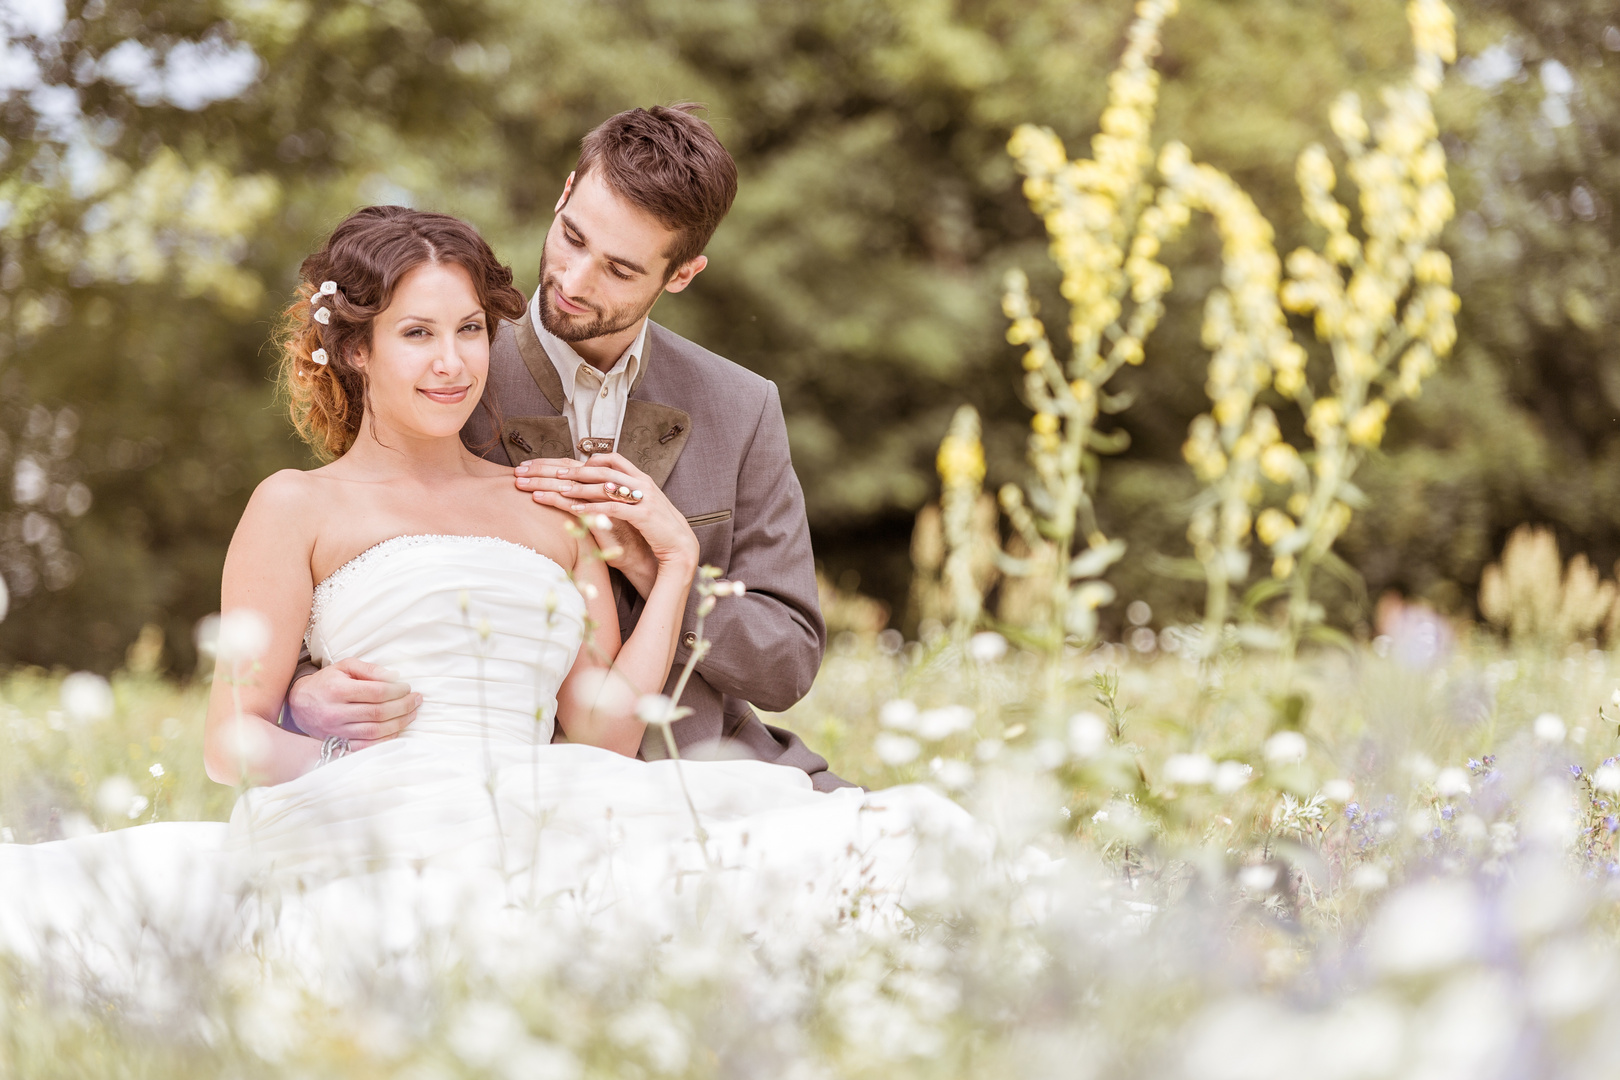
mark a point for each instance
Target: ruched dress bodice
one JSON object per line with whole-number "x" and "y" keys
{"x": 484, "y": 629}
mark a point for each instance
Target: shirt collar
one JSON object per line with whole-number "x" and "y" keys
{"x": 568, "y": 362}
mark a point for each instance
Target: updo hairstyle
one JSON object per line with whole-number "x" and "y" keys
{"x": 367, "y": 256}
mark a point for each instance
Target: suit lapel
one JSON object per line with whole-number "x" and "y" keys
{"x": 541, "y": 369}
{"x": 653, "y": 437}
{"x": 654, "y": 434}
{"x": 529, "y": 437}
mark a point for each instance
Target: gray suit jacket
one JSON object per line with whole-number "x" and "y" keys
{"x": 711, "y": 435}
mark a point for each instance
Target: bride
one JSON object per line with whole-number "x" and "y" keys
{"x": 410, "y": 552}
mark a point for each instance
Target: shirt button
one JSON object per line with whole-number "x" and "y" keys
{"x": 604, "y": 391}
{"x": 689, "y": 639}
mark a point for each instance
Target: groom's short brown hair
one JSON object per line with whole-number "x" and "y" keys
{"x": 668, "y": 162}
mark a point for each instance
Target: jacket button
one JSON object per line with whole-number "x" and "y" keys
{"x": 689, "y": 639}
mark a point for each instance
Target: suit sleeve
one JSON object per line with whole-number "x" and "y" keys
{"x": 766, "y": 646}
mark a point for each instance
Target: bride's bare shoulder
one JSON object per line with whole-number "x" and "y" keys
{"x": 288, "y": 497}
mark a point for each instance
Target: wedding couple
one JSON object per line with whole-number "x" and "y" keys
{"x": 481, "y": 652}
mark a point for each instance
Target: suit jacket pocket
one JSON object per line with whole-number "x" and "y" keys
{"x": 698, "y": 520}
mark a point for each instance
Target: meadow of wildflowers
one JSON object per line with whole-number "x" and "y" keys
{"x": 1393, "y": 860}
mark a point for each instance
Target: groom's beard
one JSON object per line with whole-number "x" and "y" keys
{"x": 576, "y": 328}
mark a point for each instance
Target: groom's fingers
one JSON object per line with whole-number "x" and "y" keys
{"x": 382, "y": 720}
{"x": 360, "y": 669}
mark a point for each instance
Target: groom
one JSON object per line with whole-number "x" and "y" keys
{"x": 586, "y": 389}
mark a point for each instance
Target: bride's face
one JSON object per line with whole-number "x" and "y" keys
{"x": 429, "y": 353}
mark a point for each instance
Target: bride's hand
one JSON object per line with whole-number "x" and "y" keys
{"x": 641, "y": 538}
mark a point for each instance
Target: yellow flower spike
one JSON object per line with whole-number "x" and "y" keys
{"x": 1434, "y": 29}
{"x": 1033, "y": 361}
{"x": 1280, "y": 463}
{"x": 1366, "y": 428}
{"x": 1272, "y": 526}
{"x": 960, "y": 461}
{"x": 1326, "y": 416}
{"x": 1044, "y": 423}
{"x": 1298, "y": 503}
{"x": 1082, "y": 390}
{"x": 1282, "y": 566}
{"x": 1335, "y": 521}
{"x": 1433, "y": 268}
{"x": 1346, "y": 120}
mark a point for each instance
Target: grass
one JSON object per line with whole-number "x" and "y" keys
{"x": 1350, "y": 865}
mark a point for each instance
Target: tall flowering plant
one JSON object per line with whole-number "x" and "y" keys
{"x": 1106, "y": 219}
{"x": 1382, "y": 305}
{"x": 1382, "y": 302}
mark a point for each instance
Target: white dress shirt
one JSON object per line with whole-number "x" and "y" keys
{"x": 595, "y": 400}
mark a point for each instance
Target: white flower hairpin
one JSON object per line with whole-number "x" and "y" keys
{"x": 324, "y": 315}
{"x": 319, "y": 356}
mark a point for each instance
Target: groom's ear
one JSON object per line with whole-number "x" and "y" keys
{"x": 568, "y": 189}
{"x": 681, "y": 278}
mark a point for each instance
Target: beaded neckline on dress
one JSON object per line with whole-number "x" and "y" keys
{"x": 330, "y": 584}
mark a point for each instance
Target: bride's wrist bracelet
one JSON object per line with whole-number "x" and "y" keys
{"x": 333, "y": 747}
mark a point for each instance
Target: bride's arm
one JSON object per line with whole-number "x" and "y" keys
{"x": 596, "y": 703}
{"x": 267, "y": 572}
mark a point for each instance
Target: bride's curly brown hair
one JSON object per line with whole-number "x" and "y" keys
{"x": 367, "y": 256}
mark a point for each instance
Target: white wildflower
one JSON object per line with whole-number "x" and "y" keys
{"x": 1285, "y": 748}
{"x": 1258, "y": 878}
{"x": 114, "y": 796}
{"x": 1549, "y": 728}
{"x": 1048, "y": 754}
{"x": 86, "y": 697}
{"x": 936, "y": 724}
{"x": 483, "y": 1032}
{"x": 239, "y": 636}
{"x": 899, "y": 714}
{"x": 649, "y": 1028}
{"x": 1088, "y": 734}
{"x": 1607, "y": 779}
{"x": 1452, "y": 781}
{"x": 987, "y": 647}
{"x": 1426, "y": 927}
{"x": 75, "y": 826}
{"x": 1189, "y": 769}
{"x": 1568, "y": 978}
{"x": 156, "y": 770}
{"x": 953, "y": 774}
{"x": 267, "y": 1021}
{"x": 1369, "y": 878}
{"x": 896, "y": 750}
{"x": 654, "y": 708}
{"x": 1231, "y": 775}
{"x": 532, "y": 1059}
{"x": 1339, "y": 791}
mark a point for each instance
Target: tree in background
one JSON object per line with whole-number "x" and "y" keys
{"x": 166, "y": 165}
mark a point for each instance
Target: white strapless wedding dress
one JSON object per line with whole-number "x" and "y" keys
{"x": 473, "y": 810}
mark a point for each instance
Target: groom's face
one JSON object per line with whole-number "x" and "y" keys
{"x": 604, "y": 265}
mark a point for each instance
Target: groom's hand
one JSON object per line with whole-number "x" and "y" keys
{"x": 639, "y": 535}
{"x": 353, "y": 700}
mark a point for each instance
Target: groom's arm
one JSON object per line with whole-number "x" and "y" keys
{"x": 765, "y": 646}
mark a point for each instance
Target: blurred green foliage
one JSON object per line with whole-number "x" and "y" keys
{"x": 149, "y": 234}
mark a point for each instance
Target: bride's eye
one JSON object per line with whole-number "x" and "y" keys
{"x": 475, "y": 327}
